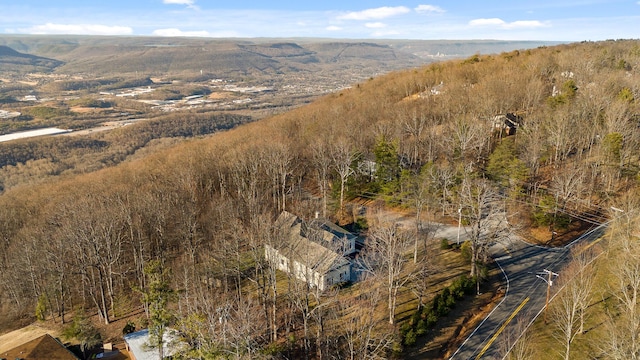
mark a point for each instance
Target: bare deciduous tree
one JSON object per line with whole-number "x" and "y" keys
{"x": 517, "y": 341}
{"x": 414, "y": 126}
{"x": 279, "y": 161}
{"x": 623, "y": 335}
{"x": 385, "y": 258}
{"x": 482, "y": 209}
{"x": 95, "y": 233}
{"x": 560, "y": 129}
{"x": 359, "y": 327}
{"x": 444, "y": 177}
{"x": 343, "y": 157}
{"x": 322, "y": 163}
{"x": 567, "y": 184}
{"x": 420, "y": 283}
{"x": 419, "y": 189}
{"x": 567, "y": 309}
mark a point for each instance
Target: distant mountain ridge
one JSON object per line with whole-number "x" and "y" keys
{"x": 104, "y": 55}
{"x": 14, "y": 61}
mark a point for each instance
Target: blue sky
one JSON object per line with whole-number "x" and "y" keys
{"x": 560, "y": 20}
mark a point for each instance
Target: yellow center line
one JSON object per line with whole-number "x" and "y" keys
{"x": 495, "y": 336}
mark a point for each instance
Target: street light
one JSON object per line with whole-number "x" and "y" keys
{"x": 549, "y": 282}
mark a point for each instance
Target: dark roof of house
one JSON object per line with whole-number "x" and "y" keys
{"x": 43, "y": 348}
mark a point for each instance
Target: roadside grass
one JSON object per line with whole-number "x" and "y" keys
{"x": 448, "y": 266}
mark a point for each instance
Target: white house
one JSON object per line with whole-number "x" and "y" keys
{"x": 311, "y": 252}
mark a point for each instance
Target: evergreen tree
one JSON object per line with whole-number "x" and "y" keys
{"x": 84, "y": 331}
{"x": 158, "y": 295}
{"x": 388, "y": 166}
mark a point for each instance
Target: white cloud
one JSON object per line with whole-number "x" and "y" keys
{"x": 78, "y": 29}
{"x": 375, "y": 14}
{"x": 520, "y": 24}
{"x": 187, "y": 3}
{"x": 179, "y": 2}
{"x": 375, "y": 25}
{"x": 333, "y": 28}
{"x": 526, "y": 24}
{"x": 429, "y": 9}
{"x": 485, "y": 22}
{"x": 178, "y": 32}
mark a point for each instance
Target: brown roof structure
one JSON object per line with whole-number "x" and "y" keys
{"x": 43, "y": 348}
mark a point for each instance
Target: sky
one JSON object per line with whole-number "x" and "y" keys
{"x": 549, "y": 20}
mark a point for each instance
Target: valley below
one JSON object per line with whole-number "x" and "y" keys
{"x": 320, "y": 198}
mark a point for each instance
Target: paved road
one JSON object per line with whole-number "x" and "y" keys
{"x": 525, "y": 295}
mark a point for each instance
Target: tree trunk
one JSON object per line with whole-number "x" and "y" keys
{"x": 274, "y": 308}
{"x": 415, "y": 245}
{"x": 62, "y": 296}
{"x": 343, "y": 180}
{"x": 105, "y": 311}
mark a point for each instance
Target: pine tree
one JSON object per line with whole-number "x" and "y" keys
{"x": 158, "y": 295}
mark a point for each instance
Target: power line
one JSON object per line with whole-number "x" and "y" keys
{"x": 594, "y": 219}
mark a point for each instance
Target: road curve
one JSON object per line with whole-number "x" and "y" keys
{"x": 525, "y": 294}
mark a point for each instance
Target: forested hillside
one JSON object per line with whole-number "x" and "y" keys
{"x": 549, "y": 135}
{"x": 13, "y": 61}
{"x": 37, "y": 160}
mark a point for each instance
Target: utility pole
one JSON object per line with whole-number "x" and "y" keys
{"x": 549, "y": 282}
